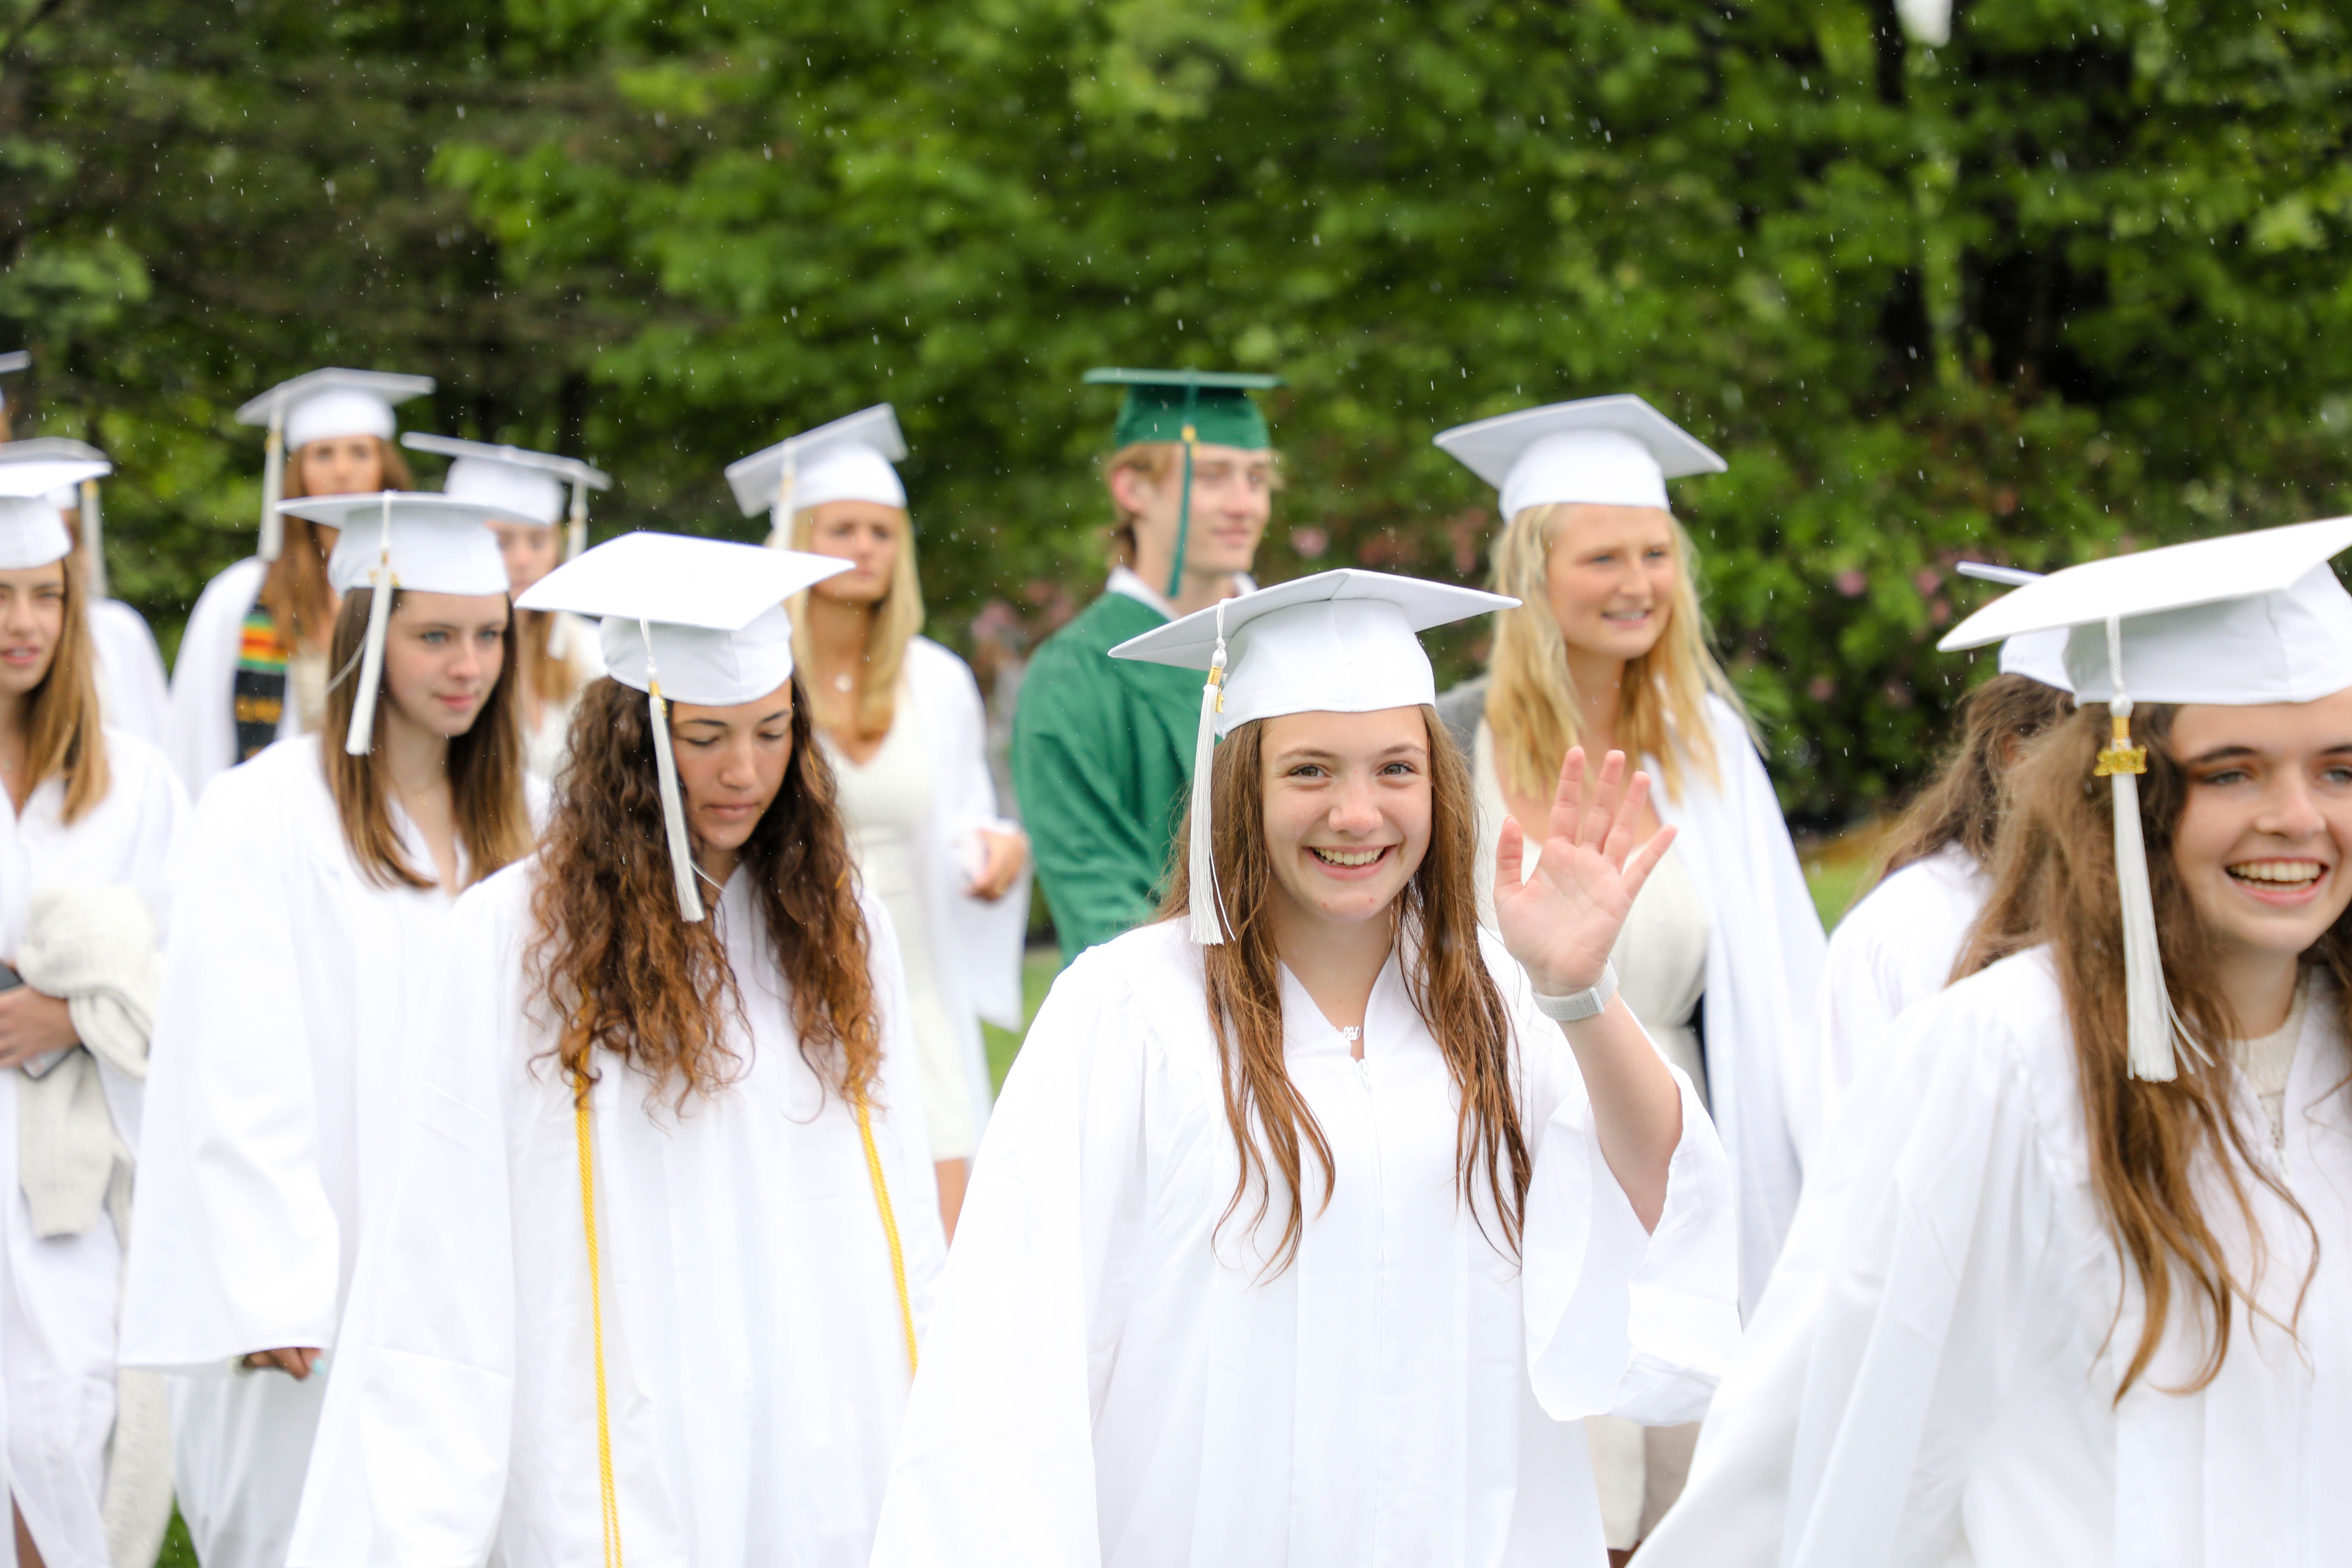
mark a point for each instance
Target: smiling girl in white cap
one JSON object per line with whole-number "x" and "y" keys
{"x": 307, "y": 910}
{"x": 2074, "y": 1289}
{"x": 649, "y": 1288}
{"x": 252, "y": 667}
{"x": 88, "y": 820}
{"x": 1303, "y": 1232}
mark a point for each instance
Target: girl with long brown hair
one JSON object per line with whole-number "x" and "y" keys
{"x": 1303, "y": 1232}
{"x": 306, "y": 910}
{"x": 1900, "y": 942}
{"x": 2076, "y": 1290}
{"x": 669, "y": 1144}
{"x": 87, "y": 821}
{"x": 901, "y": 722}
{"x": 253, "y": 662}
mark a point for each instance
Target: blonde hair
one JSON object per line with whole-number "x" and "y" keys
{"x": 63, "y": 732}
{"x": 1531, "y": 697}
{"x": 897, "y": 619}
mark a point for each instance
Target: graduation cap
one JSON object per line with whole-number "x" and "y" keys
{"x": 320, "y": 405}
{"x": 520, "y": 479}
{"x": 422, "y": 542}
{"x": 2037, "y": 656}
{"x": 1190, "y": 407}
{"x": 31, "y": 531}
{"x": 2241, "y": 621}
{"x": 1338, "y": 642}
{"x": 685, "y": 620}
{"x": 71, "y": 470}
{"x": 1602, "y": 451}
{"x": 847, "y": 459}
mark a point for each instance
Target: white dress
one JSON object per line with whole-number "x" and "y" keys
{"x": 131, "y": 691}
{"x": 58, "y": 1295}
{"x": 276, "y": 1098}
{"x": 1895, "y": 948}
{"x": 1763, "y": 963}
{"x": 571, "y": 641}
{"x": 1112, "y": 1379}
{"x": 914, "y": 811}
{"x": 1930, "y": 1380}
{"x": 754, "y": 1349}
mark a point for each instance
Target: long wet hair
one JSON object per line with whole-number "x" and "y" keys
{"x": 1445, "y": 975}
{"x": 1961, "y": 802}
{"x": 64, "y": 732}
{"x": 2055, "y": 882}
{"x": 629, "y": 977}
{"x": 1531, "y": 698}
{"x": 485, "y": 767}
{"x": 294, "y": 589}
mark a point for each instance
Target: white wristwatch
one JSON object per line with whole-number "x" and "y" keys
{"x": 1586, "y": 1004}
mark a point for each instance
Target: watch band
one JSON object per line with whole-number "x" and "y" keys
{"x": 1587, "y": 1004}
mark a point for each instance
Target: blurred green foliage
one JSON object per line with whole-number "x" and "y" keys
{"x": 2075, "y": 278}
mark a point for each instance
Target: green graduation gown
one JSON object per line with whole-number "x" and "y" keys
{"x": 1102, "y": 755}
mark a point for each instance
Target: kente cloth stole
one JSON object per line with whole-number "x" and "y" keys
{"x": 258, "y": 699}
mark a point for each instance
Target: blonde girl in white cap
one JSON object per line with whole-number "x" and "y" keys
{"x": 1313, "y": 1218}
{"x": 2074, "y": 1288}
{"x": 252, "y": 666}
{"x": 88, "y": 820}
{"x": 1607, "y": 647}
{"x": 901, "y": 721}
{"x": 648, "y": 1288}
{"x": 306, "y": 910}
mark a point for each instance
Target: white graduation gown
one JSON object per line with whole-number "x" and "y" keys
{"x": 753, "y": 1343}
{"x": 131, "y": 691}
{"x": 202, "y": 740}
{"x": 1930, "y": 1380}
{"x": 58, "y": 1294}
{"x": 1109, "y": 1380}
{"x": 572, "y": 641}
{"x": 1894, "y": 948}
{"x": 276, "y": 1095}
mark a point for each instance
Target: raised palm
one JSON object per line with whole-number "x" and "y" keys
{"x": 1561, "y": 923}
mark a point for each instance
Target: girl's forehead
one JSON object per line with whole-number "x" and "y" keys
{"x": 2322, "y": 725}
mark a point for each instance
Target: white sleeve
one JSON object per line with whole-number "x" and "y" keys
{"x": 995, "y": 1462}
{"x": 990, "y": 935}
{"x": 411, "y": 1458}
{"x": 236, "y": 1247}
{"x": 131, "y": 671}
{"x": 201, "y": 734}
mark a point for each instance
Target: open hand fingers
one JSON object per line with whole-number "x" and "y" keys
{"x": 1601, "y": 810}
{"x": 1567, "y": 802}
{"x": 1645, "y": 860}
{"x": 1511, "y": 850}
{"x": 1627, "y": 819}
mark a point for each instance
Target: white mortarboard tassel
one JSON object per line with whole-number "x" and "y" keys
{"x": 575, "y": 530}
{"x": 1338, "y": 642}
{"x": 93, "y": 540}
{"x": 2245, "y": 620}
{"x": 381, "y": 581}
{"x": 681, "y": 849}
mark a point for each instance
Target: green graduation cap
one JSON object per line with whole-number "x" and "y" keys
{"x": 1190, "y": 407}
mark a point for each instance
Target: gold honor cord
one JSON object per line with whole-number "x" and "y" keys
{"x": 584, "y": 1137}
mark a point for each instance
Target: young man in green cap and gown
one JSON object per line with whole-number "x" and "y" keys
{"x": 1102, "y": 748}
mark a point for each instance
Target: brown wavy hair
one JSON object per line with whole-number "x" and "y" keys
{"x": 629, "y": 977}
{"x": 2055, "y": 882}
{"x": 485, "y": 768}
{"x": 1437, "y": 913}
{"x": 1961, "y": 802}
{"x": 64, "y": 732}
{"x": 295, "y": 590}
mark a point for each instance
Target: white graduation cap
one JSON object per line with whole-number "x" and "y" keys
{"x": 685, "y": 620}
{"x": 2037, "y": 656}
{"x": 31, "y": 531}
{"x": 520, "y": 479}
{"x": 1338, "y": 642}
{"x": 10, "y": 362}
{"x": 320, "y": 405}
{"x": 1602, "y": 451}
{"x": 422, "y": 542}
{"x": 2241, "y": 621}
{"x": 71, "y": 470}
{"x": 848, "y": 460}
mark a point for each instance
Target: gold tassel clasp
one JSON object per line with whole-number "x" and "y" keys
{"x": 2119, "y": 755}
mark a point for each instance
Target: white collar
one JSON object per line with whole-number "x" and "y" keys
{"x": 1123, "y": 580}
